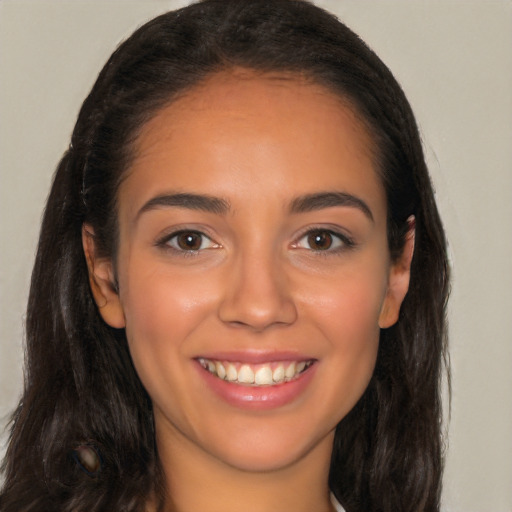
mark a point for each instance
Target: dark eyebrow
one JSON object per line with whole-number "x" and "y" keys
{"x": 323, "y": 200}
{"x": 187, "y": 200}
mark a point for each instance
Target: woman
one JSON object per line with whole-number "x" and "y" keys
{"x": 239, "y": 293}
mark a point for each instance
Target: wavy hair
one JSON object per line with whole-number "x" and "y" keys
{"x": 80, "y": 384}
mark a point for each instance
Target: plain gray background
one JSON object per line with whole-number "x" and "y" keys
{"x": 454, "y": 60}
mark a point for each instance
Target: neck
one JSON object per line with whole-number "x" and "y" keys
{"x": 196, "y": 480}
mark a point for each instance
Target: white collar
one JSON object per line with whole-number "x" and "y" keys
{"x": 336, "y": 504}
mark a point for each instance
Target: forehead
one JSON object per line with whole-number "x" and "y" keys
{"x": 240, "y": 129}
{"x": 240, "y": 94}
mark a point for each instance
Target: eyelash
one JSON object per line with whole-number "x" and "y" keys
{"x": 342, "y": 241}
{"x": 165, "y": 242}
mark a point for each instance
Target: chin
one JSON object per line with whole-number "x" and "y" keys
{"x": 270, "y": 450}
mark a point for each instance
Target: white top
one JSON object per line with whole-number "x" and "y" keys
{"x": 336, "y": 504}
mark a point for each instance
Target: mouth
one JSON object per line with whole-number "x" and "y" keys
{"x": 256, "y": 375}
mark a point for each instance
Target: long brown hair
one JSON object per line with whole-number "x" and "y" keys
{"x": 81, "y": 387}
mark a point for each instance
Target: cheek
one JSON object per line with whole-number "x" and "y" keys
{"x": 347, "y": 304}
{"x": 162, "y": 311}
{"x": 350, "y": 323}
{"x": 347, "y": 314}
{"x": 154, "y": 300}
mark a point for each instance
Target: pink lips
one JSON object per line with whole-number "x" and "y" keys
{"x": 256, "y": 397}
{"x": 255, "y": 356}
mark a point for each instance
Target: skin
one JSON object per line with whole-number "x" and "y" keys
{"x": 257, "y": 284}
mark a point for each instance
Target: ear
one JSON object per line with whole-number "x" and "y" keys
{"x": 102, "y": 281}
{"x": 398, "y": 282}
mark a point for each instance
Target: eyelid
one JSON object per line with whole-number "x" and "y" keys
{"x": 344, "y": 241}
{"x": 163, "y": 241}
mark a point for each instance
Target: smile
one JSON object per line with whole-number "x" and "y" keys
{"x": 254, "y": 375}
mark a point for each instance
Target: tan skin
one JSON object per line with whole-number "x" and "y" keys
{"x": 258, "y": 275}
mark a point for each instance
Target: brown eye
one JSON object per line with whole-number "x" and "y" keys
{"x": 324, "y": 240}
{"x": 189, "y": 241}
{"x": 320, "y": 240}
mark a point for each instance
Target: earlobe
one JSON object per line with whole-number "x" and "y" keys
{"x": 398, "y": 283}
{"x": 102, "y": 281}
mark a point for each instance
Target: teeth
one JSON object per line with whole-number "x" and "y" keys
{"x": 257, "y": 375}
{"x": 278, "y": 374}
{"x": 263, "y": 376}
{"x": 290, "y": 371}
{"x": 231, "y": 373}
{"x": 246, "y": 375}
{"x": 221, "y": 371}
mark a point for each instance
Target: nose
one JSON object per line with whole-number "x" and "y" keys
{"x": 257, "y": 294}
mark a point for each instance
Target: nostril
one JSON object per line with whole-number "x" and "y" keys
{"x": 257, "y": 294}
{"x": 248, "y": 316}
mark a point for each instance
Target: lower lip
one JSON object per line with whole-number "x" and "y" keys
{"x": 258, "y": 397}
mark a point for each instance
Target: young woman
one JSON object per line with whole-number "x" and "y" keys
{"x": 239, "y": 293}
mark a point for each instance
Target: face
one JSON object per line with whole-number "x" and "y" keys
{"x": 253, "y": 268}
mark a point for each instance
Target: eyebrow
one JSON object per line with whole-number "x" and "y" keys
{"x": 321, "y": 200}
{"x": 210, "y": 204}
{"x": 189, "y": 201}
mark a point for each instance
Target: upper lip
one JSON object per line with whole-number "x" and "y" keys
{"x": 254, "y": 356}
